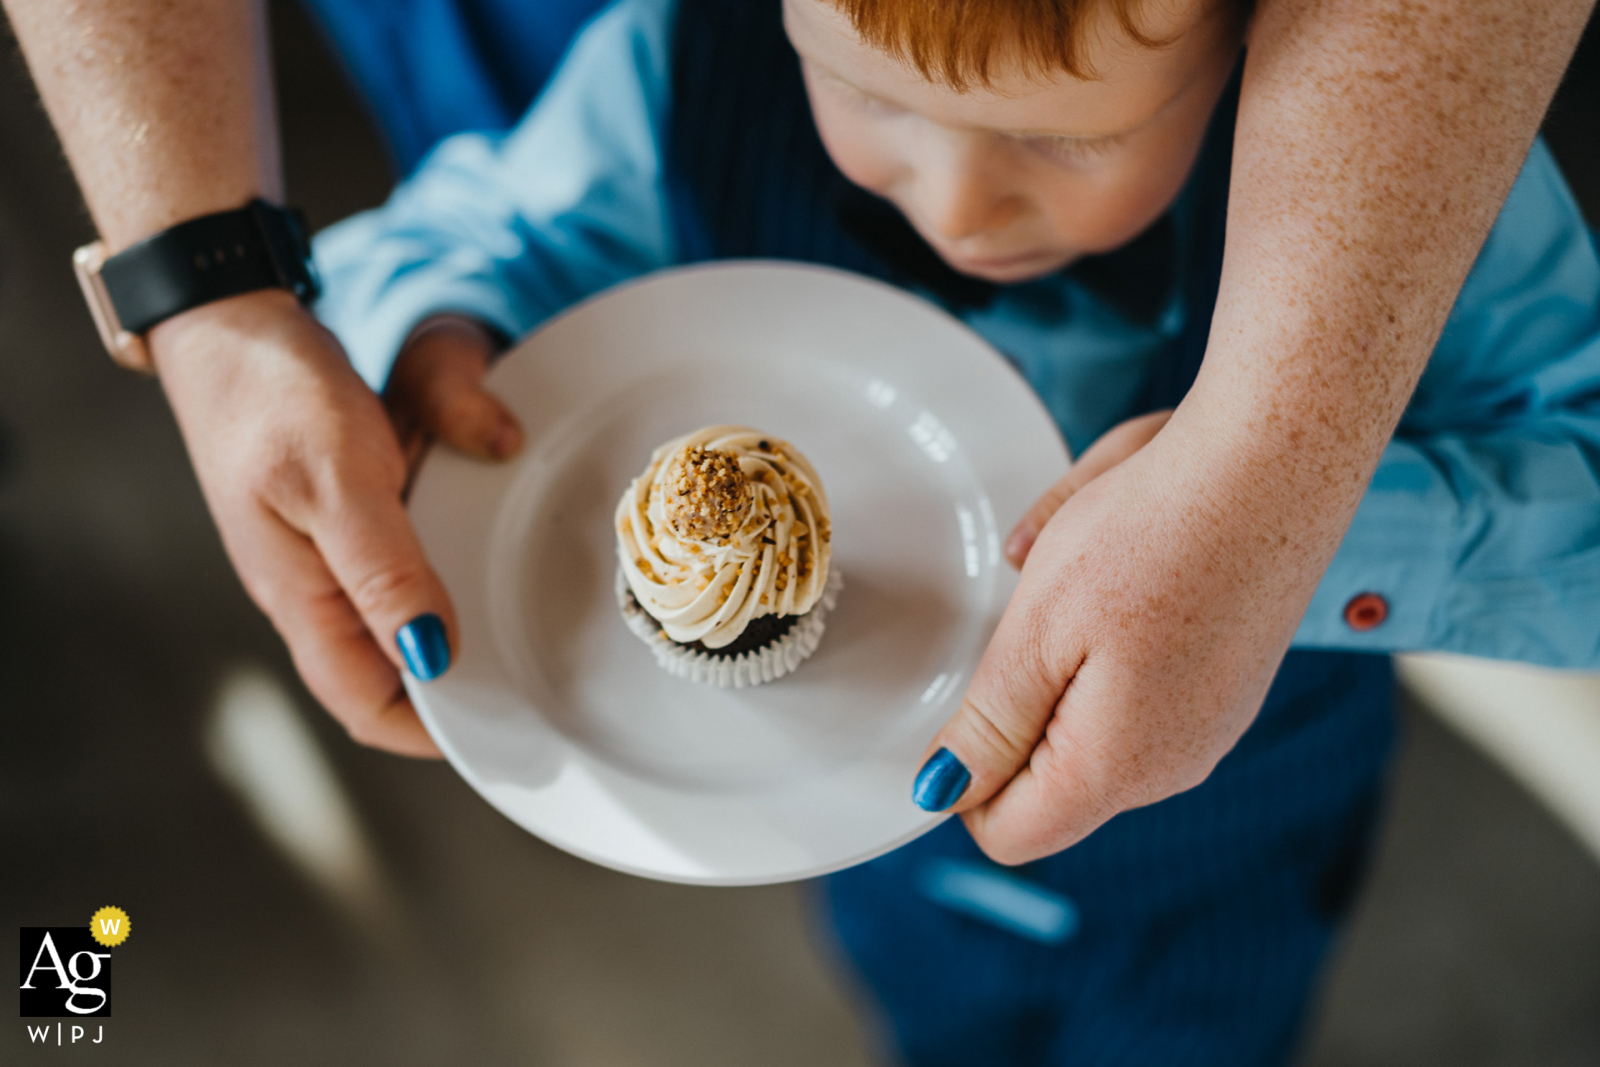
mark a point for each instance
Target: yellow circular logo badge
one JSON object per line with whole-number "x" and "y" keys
{"x": 110, "y": 926}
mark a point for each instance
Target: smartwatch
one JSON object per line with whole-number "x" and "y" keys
{"x": 258, "y": 246}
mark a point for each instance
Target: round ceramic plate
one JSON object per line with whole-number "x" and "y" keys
{"x": 929, "y": 446}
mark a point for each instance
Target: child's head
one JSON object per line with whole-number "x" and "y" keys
{"x": 1017, "y": 135}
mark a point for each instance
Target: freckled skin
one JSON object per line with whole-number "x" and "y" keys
{"x": 1376, "y": 142}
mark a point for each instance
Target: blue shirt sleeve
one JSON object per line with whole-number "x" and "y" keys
{"x": 1480, "y": 531}
{"x": 488, "y": 228}
{"x": 1481, "y": 528}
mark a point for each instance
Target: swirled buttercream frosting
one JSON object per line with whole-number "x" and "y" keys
{"x": 725, "y": 526}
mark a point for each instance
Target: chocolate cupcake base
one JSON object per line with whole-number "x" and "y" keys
{"x": 770, "y": 647}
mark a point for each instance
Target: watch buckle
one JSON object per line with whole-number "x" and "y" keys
{"x": 127, "y": 349}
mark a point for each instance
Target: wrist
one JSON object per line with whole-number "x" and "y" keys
{"x": 1264, "y": 516}
{"x": 252, "y": 333}
{"x": 196, "y": 262}
{"x": 230, "y": 315}
{"x": 1291, "y": 453}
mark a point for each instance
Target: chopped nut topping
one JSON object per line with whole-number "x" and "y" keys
{"x": 708, "y": 497}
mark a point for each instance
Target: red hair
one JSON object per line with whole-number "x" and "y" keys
{"x": 955, "y": 41}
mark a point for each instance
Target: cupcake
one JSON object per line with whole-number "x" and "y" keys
{"x": 723, "y": 552}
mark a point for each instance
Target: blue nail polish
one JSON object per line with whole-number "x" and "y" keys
{"x": 941, "y": 781}
{"x": 423, "y": 644}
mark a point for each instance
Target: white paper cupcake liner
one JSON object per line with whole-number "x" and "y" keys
{"x": 755, "y": 667}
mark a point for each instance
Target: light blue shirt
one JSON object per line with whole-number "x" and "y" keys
{"x": 1481, "y": 529}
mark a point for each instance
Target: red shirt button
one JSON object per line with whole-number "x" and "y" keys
{"x": 1366, "y": 611}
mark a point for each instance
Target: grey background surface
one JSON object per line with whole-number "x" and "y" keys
{"x": 1477, "y": 940}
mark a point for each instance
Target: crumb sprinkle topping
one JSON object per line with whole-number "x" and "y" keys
{"x": 707, "y": 495}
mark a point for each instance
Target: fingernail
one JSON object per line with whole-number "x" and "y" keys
{"x": 941, "y": 781}
{"x": 1020, "y": 542}
{"x": 423, "y": 644}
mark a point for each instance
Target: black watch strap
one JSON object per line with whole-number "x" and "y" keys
{"x": 258, "y": 246}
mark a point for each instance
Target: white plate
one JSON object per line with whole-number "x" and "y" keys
{"x": 929, "y": 446}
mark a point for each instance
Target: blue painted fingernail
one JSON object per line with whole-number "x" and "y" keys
{"x": 941, "y": 781}
{"x": 423, "y": 644}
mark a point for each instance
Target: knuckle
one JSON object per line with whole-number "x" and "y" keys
{"x": 376, "y": 590}
{"x": 989, "y": 739}
{"x": 326, "y": 476}
{"x": 283, "y": 479}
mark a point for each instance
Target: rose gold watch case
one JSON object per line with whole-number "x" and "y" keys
{"x": 127, "y": 349}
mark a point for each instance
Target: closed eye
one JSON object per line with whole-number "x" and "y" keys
{"x": 1070, "y": 150}
{"x": 858, "y": 98}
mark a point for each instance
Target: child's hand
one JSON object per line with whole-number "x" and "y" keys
{"x": 1114, "y": 446}
{"x": 436, "y": 392}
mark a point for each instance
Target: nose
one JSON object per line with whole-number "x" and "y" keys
{"x": 958, "y": 195}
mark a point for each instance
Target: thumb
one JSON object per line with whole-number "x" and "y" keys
{"x": 1013, "y": 695}
{"x": 374, "y": 555}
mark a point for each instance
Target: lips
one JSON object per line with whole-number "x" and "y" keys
{"x": 997, "y": 262}
{"x": 1004, "y": 269}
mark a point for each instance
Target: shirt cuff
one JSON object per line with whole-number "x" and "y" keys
{"x": 1383, "y": 589}
{"x": 373, "y": 343}
{"x": 377, "y": 291}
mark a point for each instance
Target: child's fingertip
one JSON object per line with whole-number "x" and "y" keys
{"x": 1019, "y": 543}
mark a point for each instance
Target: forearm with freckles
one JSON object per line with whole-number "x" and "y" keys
{"x": 1376, "y": 141}
{"x": 164, "y": 107}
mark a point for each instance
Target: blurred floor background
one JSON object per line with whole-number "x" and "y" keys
{"x": 375, "y": 911}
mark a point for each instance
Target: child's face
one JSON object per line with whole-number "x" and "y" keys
{"x": 1016, "y": 180}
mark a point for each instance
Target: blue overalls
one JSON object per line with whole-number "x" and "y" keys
{"x": 1185, "y": 933}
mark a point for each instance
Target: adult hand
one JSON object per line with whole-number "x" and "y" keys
{"x": 304, "y": 475}
{"x": 1153, "y": 610}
